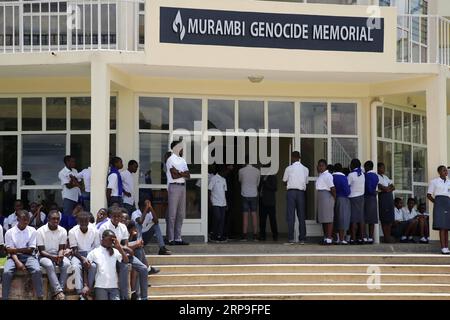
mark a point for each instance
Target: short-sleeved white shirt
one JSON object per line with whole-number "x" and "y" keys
{"x": 64, "y": 177}
{"x": 51, "y": 239}
{"x": 10, "y": 221}
{"x": 249, "y": 177}
{"x": 85, "y": 174}
{"x": 218, "y": 187}
{"x": 357, "y": 184}
{"x": 384, "y": 180}
{"x": 148, "y": 221}
{"x": 439, "y": 187}
{"x": 113, "y": 184}
{"x": 178, "y": 163}
{"x": 84, "y": 241}
{"x": 120, "y": 231}
{"x": 409, "y": 215}
{"x": 106, "y": 276}
{"x": 398, "y": 214}
{"x": 1, "y": 174}
{"x": 128, "y": 186}
{"x": 2, "y": 241}
{"x": 18, "y": 239}
{"x": 296, "y": 176}
{"x": 325, "y": 181}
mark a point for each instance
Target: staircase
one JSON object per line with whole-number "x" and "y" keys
{"x": 301, "y": 276}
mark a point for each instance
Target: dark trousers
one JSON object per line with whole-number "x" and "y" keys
{"x": 218, "y": 221}
{"x": 296, "y": 203}
{"x": 265, "y": 211}
{"x": 68, "y": 206}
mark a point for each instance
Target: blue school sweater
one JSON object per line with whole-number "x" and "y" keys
{"x": 371, "y": 183}
{"x": 341, "y": 184}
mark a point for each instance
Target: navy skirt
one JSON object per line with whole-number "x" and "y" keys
{"x": 386, "y": 207}
{"x": 357, "y": 209}
{"x": 370, "y": 209}
{"x": 441, "y": 213}
{"x": 342, "y": 211}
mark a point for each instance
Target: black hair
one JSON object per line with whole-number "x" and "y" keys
{"x": 368, "y": 165}
{"x": 411, "y": 199}
{"x": 441, "y": 167}
{"x": 108, "y": 233}
{"x": 141, "y": 203}
{"x": 91, "y": 217}
{"x": 330, "y": 168}
{"x": 380, "y": 164}
{"x": 422, "y": 205}
{"x": 124, "y": 210}
{"x": 355, "y": 163}
{"x": 112, "y": 210}
{"x": 114, "y": 160}
{"x": 18, "y": 200}
{"x": 67, "y": 158}
{"x": 295, "y": 154}
{"x": 397, "y": 200}
{"x": 322, "y": 161}
{"x": 132, "y": 162}
{"x": 174, "y": 143}
{"x": 131, "y": 225}
{"x": 21, "y": 213}
{"x": 83, "y": 214}
{"x": 51, "y": 213}
{"x": 337, "y": 167}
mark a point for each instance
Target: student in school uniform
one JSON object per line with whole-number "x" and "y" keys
{"x": 105, "y": 257}
{"x": 2, "y": 242}
{"x": 217, "y": 189}
{"x": 136, "y": 244}
{"x": 114, "y": 190}
{"x": 70, "y": 182}
{"x": 121, "y": 232}
{"x": 385, "y": 202}
{"x": 326, "y": 195}
{"x": 399, "y": 225}
{"x": 20, "y": 242}
{"x": 423, "y": 218}
{"x": 37, "y": 217}
{"x": 101, "y": 218}
{"x": 411, "y": 222}
{"x": 85, "y": 175}
{"x": 128, "y": 186}
{"x": 439, "y": 195}
{"x": 83, "y": 238}
{"x": 51, "y": 241}
{"x": 342, "y": 207}
{"x": 148, "y": 225}
{"x": 11, "y": 220}
{"x": 356, "y": 182}
{"x": 370, "y": 199}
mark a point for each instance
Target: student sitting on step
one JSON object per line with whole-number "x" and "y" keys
{"x": 410, "y": 217}
{"x": 423, "y": 218}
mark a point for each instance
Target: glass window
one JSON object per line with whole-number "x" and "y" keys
{"x": 402, "y": 166}
{"x": 112, "y": 145}
{"x": 44, "y": 197}
{"x": 385, "y": 156}
{"x": 388, "y": 123}
{"x": 379, "y": 122}
{"x": 187, "y": 114}
{"x": 221, "y": 114}
{"x": 8, "y": 114}
{"x": 420, "y": 194}
{"x": 80, "y": 148}
{"x": 192, "y": 152}
{"x": 152, "y": 149}
{"x": 407, "y": 126}
{"x": 416, "y": 128}
{"x": 311, "y": 151}
{"x": 424, "y": 130}
{"x": 398, "y": 125}
{"x": 42, "y": 157}
{"x": 113, "y": 113}
{"x": 56, "y": 114}
{"x": 420, "y": 164}
{"x": 344, "y": 150}
{"x": 281, "y": 116}
{"x": 80, "y": 113}
{"x": 343, "y": 118}
{"x": 154, "y": 113}
{"x": 8, "y": 194}
{"x": 313, "y": 118}
{"x": 158, "y": 197}
{"x": 8, "y": 154}
{"x": 32, "y": 114}
{"x": 311, "y": 201}
{"x": 193, "y": 199}
{"x": 251, "y": 115}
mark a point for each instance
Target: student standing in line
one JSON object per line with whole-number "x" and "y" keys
{"x": 70, "y": 182}
{"x": 20, "y": 242}
{"x": 356, "y": 182}
{"x": 217, "y": 189}
{"x": 326, "y": 196}
{"x": 11, "y": 220}
{"x": 342, "y": 208}
{"x": 51, "y": 241}
{"x": 439, "y": 195}
{"x": 85, "y": 174}
{"x": 105, "y": 257}
{"x": 128, "y": 186}
{"x": 37, "y": 217}
{"x": 370, "y": 199}
{"x": 423, "y": 218}
{"x": 296, "y": 177}
{"x": 410, "y": 217}
{"x": 83, "y": 238}
{"x": 114, "y": 190}
{"x": 385, "y": 202}
{"x": 249, "y": 177}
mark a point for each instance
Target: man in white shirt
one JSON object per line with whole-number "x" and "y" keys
{"x": 51, "y": 241}
{"x": 70, "y": 182}
{"x": 128, "y": 186}
{"x": 177, "y": 173}
{"x": 11, "y": 220}
{"x": 114, "y": 189}
{"x": 85, "y": 174}
{"x": 296, "y": 178}
{"x": 106, "y": 257}
{"x": 249, "y": 177}
{"x": 20, "y": 243}
{"x": 217, "y": 187}
{"x": 83, "y": 238}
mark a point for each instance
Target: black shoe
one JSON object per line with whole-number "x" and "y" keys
{"x": 244, "y": 237}
{"x": 275, "y": 238}
{"x": 222, "y": 240}
{"x": 181, "y": 243}
{"x": 171, "y": 243}
{"x": 153, "y": 270}
{"x": 134, "y": 296}
{"x": 404, "y": 240}
{"x": 164, "y": 252}
{"x": 359, "y": 241}
{"x": 352, "y": 242}
{"x": 412, "y": 241}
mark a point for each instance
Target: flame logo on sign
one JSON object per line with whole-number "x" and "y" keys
{"x": 178, "y": 26}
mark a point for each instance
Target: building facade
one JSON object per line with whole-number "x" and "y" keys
{"x": 334, "y": 79}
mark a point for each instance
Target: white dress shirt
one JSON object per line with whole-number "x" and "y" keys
{"x": 19, "y": 239}
{"x": 357, "y": 184}
{"x": 106, "y": 275}
{"x": 178, "y": 163}
{"x": 407, "y": 215}
{"x": 2, "y": 241}
{"x": 218, "y": 187}
{"x": 85, "y": 174}
{"x": 325, "y": 181}
{"x": 51, "y": 239}
{"x": 398, "y": 214}
{"x": 128, "y": 186}
{"x": 84, "y": 241}
{"x": 296, "y": 176}
{"x": 249, "y": 177}
{"x": 148, "y": 221}
{"x": 113, "y": 184}
{"x": 64, "y": 177}
{"x": 120, "y": 231}
{"x": 384, "y": 180}
{"x": 439, "y": 187}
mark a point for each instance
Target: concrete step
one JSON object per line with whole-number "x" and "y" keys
{"x": 265, "y": 278}
{"x": 304, "y": 268}
{"x": 294, "y": 288}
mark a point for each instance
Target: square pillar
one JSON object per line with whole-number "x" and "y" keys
{"x": 100, "y": 114}
{"x": 436, "y": 131}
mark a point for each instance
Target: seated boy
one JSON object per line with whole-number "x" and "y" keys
{"x": 37, "y": 217}
{"x": 105, "y": 257}
{"x": 20, "y": 245}
{"x": 423, "y": 218}
{"x": 11, "y": 220}
{"x": 409, "y": 216}
{"x": 398, "y": 226}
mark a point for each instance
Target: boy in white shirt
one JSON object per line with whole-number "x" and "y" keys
{"x": 83, "y": 238}
{"x": 105, "y": 258}
{"x": 37, "y": 217}
{"x": 217, "y": 188}
{"x": 2, "y": 241}
{"x": 11, "y": 220}
{"x": 128, "y": 186}
{"x": 423, "y": 218}
{"x": 51, "y": 241}
{"x": 70, "y": 182}
{"x": 114, "y": 190}
{"x": 85, "y": 174}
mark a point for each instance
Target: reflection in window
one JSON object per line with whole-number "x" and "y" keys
{"x": 420, "y": 164}
{"x": 398, "y": 125}
{"x": 379, "y": 122}
{"x": 8, "y": 154}
{"x": 42, "y": 158}
{"x": 343, "y": 118}
{"x": 8, "y": 114}
{"x": 158, "y": 197}
{"x": 193, "y": 199}
{"x": 80, "y": 148}
{"x": 388, "y": 123}
{"x": 251, "y": 115}
{"x": 8, "y": 194}
{"x": 311, "y": 151}
{"x": 56, "y": 113}
{"x": 152, "y": 149}
{"x": 80, "y": 113}
{"x": 402, "y": 166}
{"x": 311, "y": 201}
{"x": 221, "y": 114}
{"x": 45, "y": 197}
{"x": 420, "y": 194}
{"x": 407, "y": 126}
{"x": 32, "y": 114}
{"x": 113, "y": 113}
{"x": 313, "y": 118}
{"x": 416, "y": 128}
{"x": 343, "y": 150}
{"x": 153, "y": 113}
{"x": 424, "y": 130}
{"x": 281, "y": 116}
{"x": 186, "y": 112}
{"x": 385, "y": 156}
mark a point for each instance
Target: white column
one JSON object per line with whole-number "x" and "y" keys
{"x": 100, "y": 109}
{"x": 436, "y": 130}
